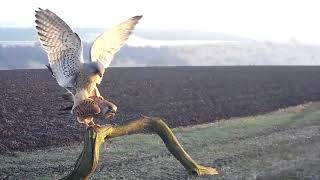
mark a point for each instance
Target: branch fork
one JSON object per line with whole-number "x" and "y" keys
{"x": 95, "y": 136}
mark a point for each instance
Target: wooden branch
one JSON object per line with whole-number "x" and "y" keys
{"x": 89, "y": 157}
{"x": 94, "y": 137}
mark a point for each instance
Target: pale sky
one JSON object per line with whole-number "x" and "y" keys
{"x": 273, "y": 20}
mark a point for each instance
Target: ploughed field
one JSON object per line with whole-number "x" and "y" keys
{"x": 280, "y": 145}
{"x": 31, "y": 99}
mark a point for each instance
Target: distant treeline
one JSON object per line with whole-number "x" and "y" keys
{"x": 33, "y": 57}
{"x": 253, "y": 53}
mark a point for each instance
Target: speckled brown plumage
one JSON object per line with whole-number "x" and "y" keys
{"x": 96, "y": 107}
{"x": 88, "y": 107}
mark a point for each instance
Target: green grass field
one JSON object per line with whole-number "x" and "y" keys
{"x": 280, "y": 145}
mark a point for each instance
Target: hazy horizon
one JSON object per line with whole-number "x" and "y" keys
{"x": 272, "y": 20}
{"x": 174, "y": 33}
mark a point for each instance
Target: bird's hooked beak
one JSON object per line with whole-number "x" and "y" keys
{"x": 96, "y": 69}
{"x": 100, "y": 70}
{"x": 100, "y": 74}
{"x": 99, "y": 81}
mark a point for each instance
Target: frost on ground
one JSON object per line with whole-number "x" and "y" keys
{"x": 280, "y": 145}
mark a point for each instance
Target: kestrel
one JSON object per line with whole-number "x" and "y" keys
{"x": 65, "y": 56}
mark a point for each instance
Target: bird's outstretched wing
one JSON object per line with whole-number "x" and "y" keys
{"x": 63, "y": 46}
{"x": 108, "y": 43}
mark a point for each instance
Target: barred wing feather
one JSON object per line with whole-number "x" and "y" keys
{"x": 63, "y": 47}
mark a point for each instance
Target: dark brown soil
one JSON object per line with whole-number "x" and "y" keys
{"x": 30, "y": 99}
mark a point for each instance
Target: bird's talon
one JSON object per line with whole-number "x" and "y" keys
{"x": 101, "y": 98}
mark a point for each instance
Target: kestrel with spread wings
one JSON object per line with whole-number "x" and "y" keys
{"x": 65, "y": 55}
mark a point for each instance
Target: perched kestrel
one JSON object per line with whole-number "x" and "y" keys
{"x": 65, "y": 55}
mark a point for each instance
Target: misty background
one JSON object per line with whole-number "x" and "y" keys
{"x": 19, "y": 49}
{"x": 174, "y": 33}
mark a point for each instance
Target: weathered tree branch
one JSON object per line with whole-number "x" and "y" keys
{"x": 94, "y": 137}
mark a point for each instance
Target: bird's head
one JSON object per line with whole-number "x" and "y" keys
{"x": 96, "y": 70}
